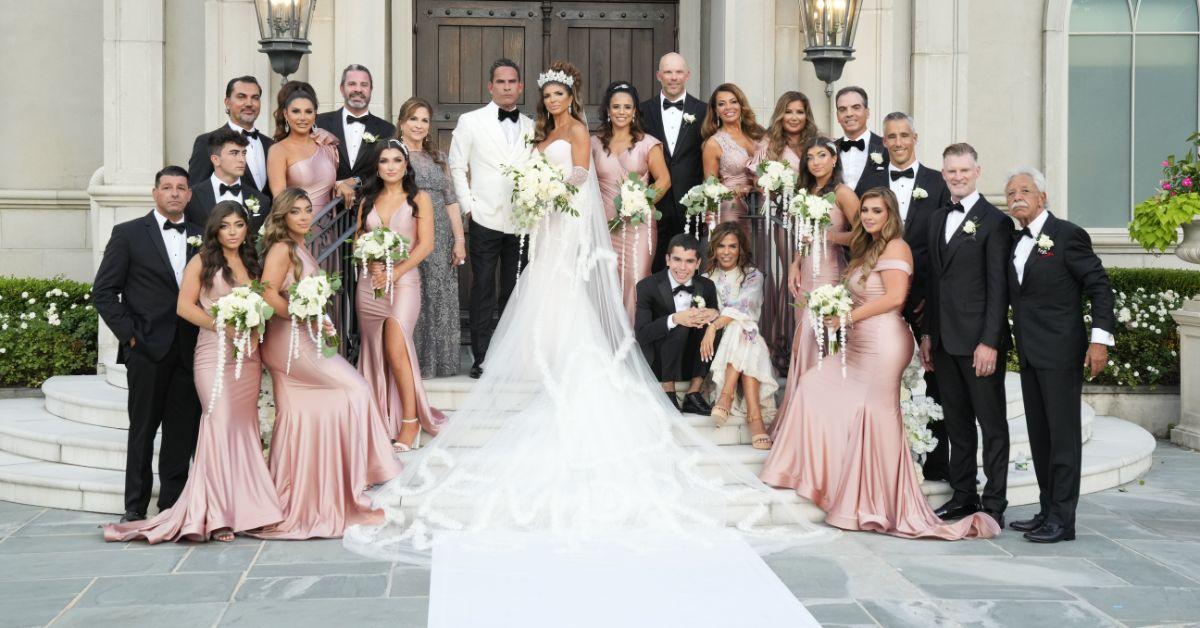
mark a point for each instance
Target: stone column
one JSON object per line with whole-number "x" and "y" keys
{"x": 1187, "y": 432}
{"x": 360, "y": 35}
{"x": 740, "y": 53}
{"x": 231, "y": 49}
{"x": 939, "y": 75}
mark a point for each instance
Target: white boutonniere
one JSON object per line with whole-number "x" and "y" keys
{"x": 1044, "y": 244}
{"x": 194, "y": 242}
{"x": 920, "y": 193}
{"x": 877, "y": 158}
{"x": 252, "y": 205}
{"x": 698, "y": 301}
{"x": 970, "y": 227}
{"x": 688, "y": 118}
{"x": 369, "y": 137}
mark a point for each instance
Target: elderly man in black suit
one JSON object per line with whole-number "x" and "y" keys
{"x": 1051, "y": 269}
{"x": 135, "y": 292}
{"x": 243, "y": 102}
{"x": 227, "y": 153}
{"x": 673, "y": 117}
{"x": 357, "y": 129}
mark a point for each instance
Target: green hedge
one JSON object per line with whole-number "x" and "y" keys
{"x": 47, "y": 327}
{"x": 1147, "y": 349}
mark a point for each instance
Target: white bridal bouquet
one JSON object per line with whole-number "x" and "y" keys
{"x": 634, "y": 205}
{"x": 246, "y": 312}
{"x": 704, "y": 200}
{"x": 381, "y": 245}
{"x": 830, "y": 300}
{"x": 309, "y": 297}
{"x": 539, "y": 187}
{"x": 776, "y": 176}
{"x": 809, "y": 215}
{"x": 918, "y": 413}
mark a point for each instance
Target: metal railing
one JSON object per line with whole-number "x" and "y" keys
{"x": 331, "y": 244}
{"x": 770, "y": 244}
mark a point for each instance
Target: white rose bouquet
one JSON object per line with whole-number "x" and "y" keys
{"x": 539, "y": 187}
{"x": 635, "y": 206}
{"x": 381, "y": 245}
{"x": 309, "y": 297}
{"x": 245, "y": 312}
{"x": 830, "y": 300}
{"x": 776, "y": 176}
{"x": 809, "y": 215}
{"x": 704, "y": 200}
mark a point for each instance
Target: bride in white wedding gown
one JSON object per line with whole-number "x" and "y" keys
{"x": 566, "y": 453}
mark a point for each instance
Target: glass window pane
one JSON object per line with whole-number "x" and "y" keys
{"x": 1164, "y": 106}
{"x": 1098, "y": 130}
{"x": 1105, "y": 16}
{"x": 1166, "y": 15}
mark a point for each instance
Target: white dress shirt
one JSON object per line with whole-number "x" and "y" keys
{"x": 954, "y": 220}
{"x": 511, "y": 129}
{"x": 227, "y": 196}
{"x": 256, "y": 159}
{"x": 854, "y": 161}
{"x": 903, "y": 187}
{"x": 683, "y": 300}
{"x": 354, "y": 135}
{"x": 176, "y": 244}
{"x": 672, "y": 119}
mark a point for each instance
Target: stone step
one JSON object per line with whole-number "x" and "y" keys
{"x": 115, "y": 374}
{"x": 28, "y": 429}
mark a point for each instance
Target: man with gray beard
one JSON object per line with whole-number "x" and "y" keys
{"x": 358, "y": 130}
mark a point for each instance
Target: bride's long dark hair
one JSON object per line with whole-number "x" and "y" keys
{"x": 545, "y": 124}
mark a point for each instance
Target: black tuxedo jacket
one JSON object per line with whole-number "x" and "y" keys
{"x": 874, "y": 145}
{"x": 334, "y": 122}
{"x": 684, "y": 163}
{"x": 655, "y": 303}
{"x": 135, "y": 290}
{"x": 200, "y": 167}
{"x": 204, "y": 199}
{"x": 1048, "y": 303}
{"x": 916, "y": 225}
{"x": 967, "y": 302}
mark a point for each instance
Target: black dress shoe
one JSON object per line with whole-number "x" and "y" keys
{"x": 476, "y": 371}
{"x": 674, "y": 399}
{"x": 1028, "y": 525}
{"x": 1051, "y": 532}
{"x": 132, "y": 516}
{"x": 998, "y": 517}
{"x": 694, "y": 403}
{"x": 951, "y": 511}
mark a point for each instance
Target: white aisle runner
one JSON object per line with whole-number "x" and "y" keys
{"x": 720, "y": 585}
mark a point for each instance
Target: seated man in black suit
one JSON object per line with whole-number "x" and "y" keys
{"x": 356, "y": 128}
{"x": 673, "y": 307}
{"x": 227, "y": 154}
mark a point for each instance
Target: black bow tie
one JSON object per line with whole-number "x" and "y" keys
{"x": 901, "y": 174}
{"x": 957, "y": 207}
{"x": 178, "y": 226}
{"x": 683, "y": 287}
{"x": 235, "y": 189}
{"x": 1023, "y": 233}
{"x": 503, "y": 115}
{"x": 845, "y": 144}
{"x": 250, "y": 135}
{"x": 669, "y": 104}
{"x": 359, "y": 120}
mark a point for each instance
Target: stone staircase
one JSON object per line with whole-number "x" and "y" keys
{"x": 67, "y": 450}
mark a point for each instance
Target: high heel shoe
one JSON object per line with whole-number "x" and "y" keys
{"x": 402, "y": 447}
{"x": 720, "y": 411}
{"x": 759, "y": 441}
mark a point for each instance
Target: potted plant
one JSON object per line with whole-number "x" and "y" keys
{"x": 1156, "y": 220}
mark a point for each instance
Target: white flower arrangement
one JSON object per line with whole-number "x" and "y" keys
{"x": 252, "y": 206}
{"x": 704, "y": 200}
{"x": 266, "y": 409}
{"x": 381, "y": 245}
{"x": 1044, "y": 244}
{"x": 776, "y": 176}
{"x": 539, "y": 187}
{"x": 369, "y": 137}
{"x": 635, "y": 206}
{"x": 969, "y": 227}
{"x": 306, "y": 306}
{"x": 699, "y": 302}
{"x": 877, "y": 158}
{"x": 919, "y": 193}
{"x": 918, "y": 411}
{"x": 689, "y": 118}
{"x": 195, "y": 241}
{"x": 246, "y": 312}
{"x": 808, "y": 215}
{"x": 830, "y": 300}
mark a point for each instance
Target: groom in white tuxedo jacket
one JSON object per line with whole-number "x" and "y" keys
{"x": 485, "y": 141}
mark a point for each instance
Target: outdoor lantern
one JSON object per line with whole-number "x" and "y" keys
{"x": 283, "y": 26}
{"x": 829, "y": 27}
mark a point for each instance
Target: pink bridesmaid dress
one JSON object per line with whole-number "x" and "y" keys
{"x": 329, "y": 443}
{"x": 403, "y": 307}
{"x": 634, "y": 245}
{"x": 316, "y": 175}
{"x": 849, "y": 452}
{"x": 229, "y": 485}
{"x": 733, "y": 170}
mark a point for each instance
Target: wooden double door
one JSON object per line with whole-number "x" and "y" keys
{"x": 457, "y": 40}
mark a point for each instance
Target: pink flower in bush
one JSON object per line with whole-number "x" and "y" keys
{"x": 1187, "y": 182}
{"x": 1165, "y": 163}
{"x": 1166, "y": 186}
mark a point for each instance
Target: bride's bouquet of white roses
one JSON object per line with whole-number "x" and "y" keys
{"x": 245, "y": 312}
{"x": 704, "y": 200}
{"x": 381, "y": 245}
{"x": 807, "y": 216}
{"x": 635, "y": 206}
{"x": 776, "y": 176}
{"x": 830, "y": 300}
{"x": 539, "y": 187}
{"x": 309, "y": 298}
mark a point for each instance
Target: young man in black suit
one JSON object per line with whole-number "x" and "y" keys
{"x": 965, "y": 334}
{"x": 861, "y": 150}
{"x": 920, "y": 191}
{"x": 357, "y": 130}
{"x": 135, "y": 292}
{"x": 243, "y": 101}
{"x": 1052, "y": 269}
{"x": 227, "y": 154}
{"x": 673, "y": 307}
{"x": 673, "y": 117}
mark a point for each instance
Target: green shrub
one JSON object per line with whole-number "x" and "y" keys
{"x": 47, "y": 327}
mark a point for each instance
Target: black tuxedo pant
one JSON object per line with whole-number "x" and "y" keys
{"x": 676, "y": 358}
{"x": 1052, "y": 413}
{"x": 669, "y": 226}
{"x": 491, "y": 250}
{"x": 966, "y": 399}
{"x": 161, "y": 393}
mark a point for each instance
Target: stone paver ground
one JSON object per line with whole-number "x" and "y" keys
{"x": 1136, "y": 562}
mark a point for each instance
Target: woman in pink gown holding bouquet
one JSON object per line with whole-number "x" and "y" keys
{"x": 732, "y": 137}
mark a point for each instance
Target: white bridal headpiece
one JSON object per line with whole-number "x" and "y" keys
{"x": 555, "y": 76}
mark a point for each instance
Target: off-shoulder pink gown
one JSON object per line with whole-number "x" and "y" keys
{"x": 634, "y": 245}
{"x": 849, "y": 453}
{"x": 229, "y": 485}
{"x": 733, "y": 171}
{"x": 317, "y": 175}
{"x": 329, "y": 443}
{"x": 403, "y": 306}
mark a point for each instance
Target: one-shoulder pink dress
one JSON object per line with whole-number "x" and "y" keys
{"x": 317, "y": 175}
